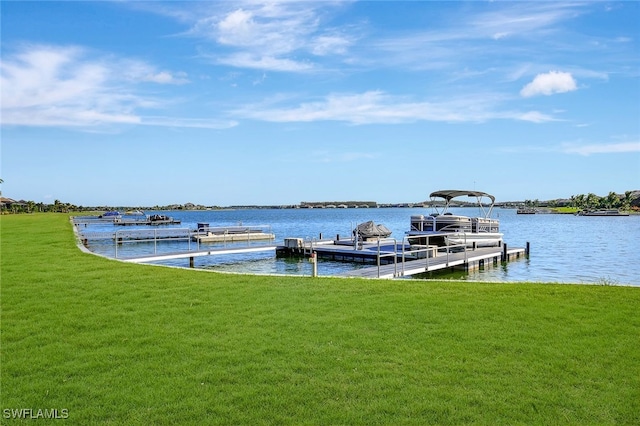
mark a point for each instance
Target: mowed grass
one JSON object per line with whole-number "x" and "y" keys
{"x": 117, "y": 343}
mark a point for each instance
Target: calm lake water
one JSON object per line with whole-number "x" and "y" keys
{"x": 564, "y": 248}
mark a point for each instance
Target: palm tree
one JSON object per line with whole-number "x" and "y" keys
{"x": 612, "y": 200}
{"x": 626, "y": 201}
{"x": 592, "y": 201}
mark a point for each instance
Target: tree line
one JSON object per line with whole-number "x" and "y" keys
{"x": 611, "y": 201}
{"x": 33, "y": 207}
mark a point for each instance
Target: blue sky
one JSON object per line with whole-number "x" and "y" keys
{"x": 233, "y": 103}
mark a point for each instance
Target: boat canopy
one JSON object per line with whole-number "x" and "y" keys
{"x": 450, "y": 194}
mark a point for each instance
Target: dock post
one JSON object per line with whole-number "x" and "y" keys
{"x": 527, "y": 249}
{"x": 191, "y": 262}
{"x": 314, "y": 264}
{"x": 504, "y": 252}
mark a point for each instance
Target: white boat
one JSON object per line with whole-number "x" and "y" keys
{"x": 443, "y": 228}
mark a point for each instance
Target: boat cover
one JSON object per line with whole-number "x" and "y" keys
{"x": 449, "y": 194}
{"x": 371, "y": 230}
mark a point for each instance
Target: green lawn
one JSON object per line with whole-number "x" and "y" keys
{"x": 566, "y": 210}
{"x": 116, "y": 343}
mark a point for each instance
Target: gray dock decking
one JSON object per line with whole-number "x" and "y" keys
{"x": 469, "y": 259}
{"x": 196, "y": 253}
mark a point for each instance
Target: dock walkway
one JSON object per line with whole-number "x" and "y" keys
{"x": 469, "y": 259}
{"x": 156, "y": 257}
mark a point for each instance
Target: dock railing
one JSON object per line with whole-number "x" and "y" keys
{"x": 406, "y": 253}
{"x": 152, "y": 235}
{"x": 430, "y": 251}
{"x": 164, "y": 235}
{"x": 381, "y": 255}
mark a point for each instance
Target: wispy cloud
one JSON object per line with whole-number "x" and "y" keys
{"x": 271, "y": 36}
{"x": 602, "y": 148}
{"x": 165, "y": 77}
{"x": 522, "y": 19}
{"x": 264, "y": 62}
{"x": 477, "y": 33}
{"x": 573, "y": 148}
{"x": 380, "y": 107}
{"x": 44, "y": 85}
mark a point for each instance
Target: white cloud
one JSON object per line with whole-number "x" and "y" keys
{"x": 165, "y": 77}
{"x": 534, "y": 117}
{"x": 549, "y": 83}
{"x": 45, "y": 85}
{"x": 363, "y": 108}
{"x": 67, "y": 87}
{"x": 514, "y": 28}
{"x": 603, "y": 148}
{"x": 272, "y": 36}
{"x": 199, "y": 123}
{"x": 237, "y": 28}
{"x": 519, "y": 18}
{"x": 262, "y": 62}
{"x": 379, "y": 107}
{"x": 329, "y": 44}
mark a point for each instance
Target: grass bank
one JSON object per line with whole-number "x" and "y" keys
{"x": 116, "y": 343}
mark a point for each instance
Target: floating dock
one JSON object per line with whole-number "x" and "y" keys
{"x": 466, "y": 260}
{"x": 232, "y": 234}
{"x": 126, "y": 220}
{"x": 232, "y": 238}
{"x": 154, "y": 222}
{"x": 396, "y": 260}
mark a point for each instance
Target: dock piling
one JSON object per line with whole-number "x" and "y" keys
{"x": 313, "y": 259}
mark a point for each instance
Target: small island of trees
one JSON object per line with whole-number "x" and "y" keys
{"x": 629, "y": 201}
